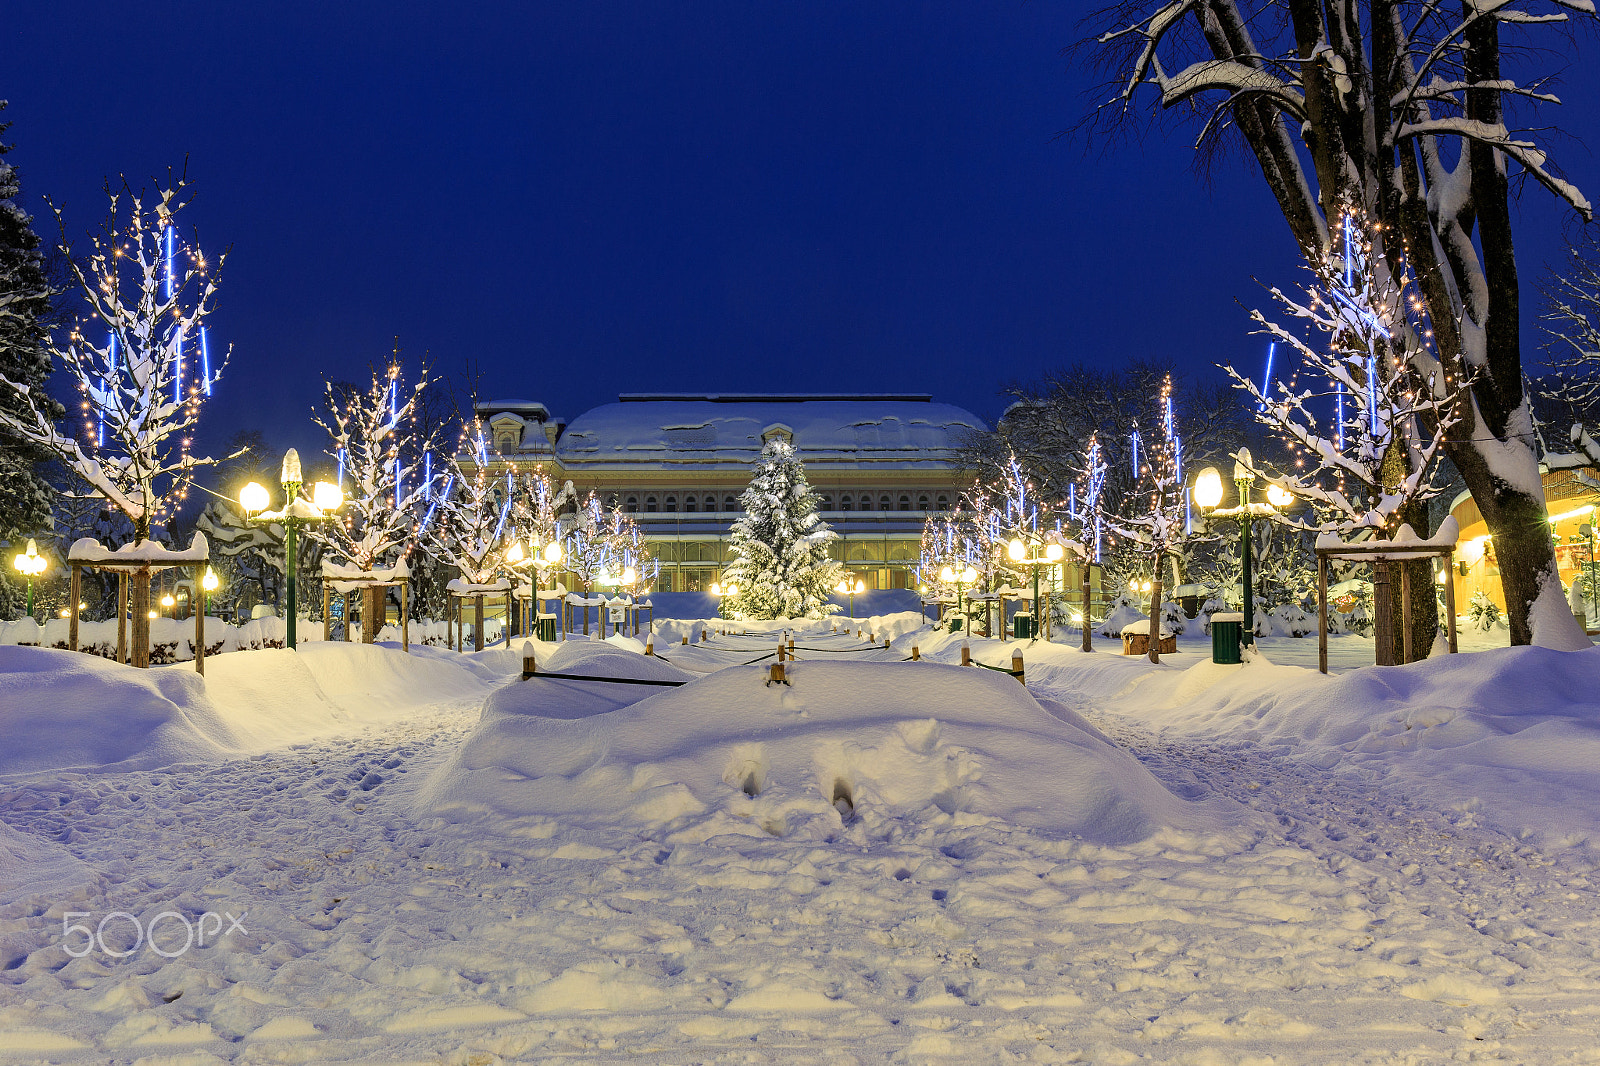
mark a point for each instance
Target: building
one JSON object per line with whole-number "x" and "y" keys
{"x": 678, "y": 463}
{"x": 1571, "y": 505}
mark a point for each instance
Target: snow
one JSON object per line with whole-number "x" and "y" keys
{"x": 883, "y": 860}
{"x": 90, "y": 551}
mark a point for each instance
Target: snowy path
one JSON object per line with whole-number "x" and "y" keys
{"x": 1346, "y": 924}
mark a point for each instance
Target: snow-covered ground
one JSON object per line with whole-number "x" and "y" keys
{"x": 430, "y": 860}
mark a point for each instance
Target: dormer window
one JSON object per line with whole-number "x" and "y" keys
{"x": 778, "y": 431}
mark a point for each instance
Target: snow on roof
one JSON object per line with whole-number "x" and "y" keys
{"x": 92, "y": 552}
{"x": 729, "y": 429}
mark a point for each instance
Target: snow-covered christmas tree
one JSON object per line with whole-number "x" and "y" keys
{"x": 780, "y": 547}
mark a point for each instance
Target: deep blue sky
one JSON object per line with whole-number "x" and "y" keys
{"x": 587, "y": 198}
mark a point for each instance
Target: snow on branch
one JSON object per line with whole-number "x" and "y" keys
{"x": 140, "y": 360}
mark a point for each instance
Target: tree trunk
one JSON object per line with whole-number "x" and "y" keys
{"x": 139, "y": 583}
{"x": 374, "y": 608}
{"x": 477, "y": 622}
{"x": 1155, "y": 616}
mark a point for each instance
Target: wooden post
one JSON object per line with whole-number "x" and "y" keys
{"x": 510, "y": 629}
{"x": 529, "y": 666}
{"x": 1382, "y": 615}
{"x": 1322, "y": 613}
{"x": 405, "y": 615}
{"x": 327, "y": 614}
{"x": 966, "y": 654}
{"x": 139, "y": 637}
{"x": 1155, "y": 615}
{"x": 777, "y": 671}
{"x": 1016, "y": 666}
{"x": 199, "y": 621}
{"x": 686, "y": 640}
{"x": 916, "y": 653}
{"x": 1087, "y": 623}
{"x": 705, "y": 635}
{"x": 791, "y": 645}
{"x": 344, "y": 599}
{"x": 77, "y": 594}
{"x": 649, "y": 645}
{"x": 1407, "y": 652}
{"x": 885, "y": 642}
{"x": 1450, "y": 598}
{"x": 122, "y": 616}
{"x": 477, "y": 622}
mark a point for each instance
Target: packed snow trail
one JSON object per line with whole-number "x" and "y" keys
{"x": 1347, "y": 924}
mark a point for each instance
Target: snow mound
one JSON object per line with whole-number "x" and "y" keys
{"x": 849, "y": 747}
{"x": 63, "y": 709}
{"x": 67, "y": 709}
{"x": 1512, "y": 733}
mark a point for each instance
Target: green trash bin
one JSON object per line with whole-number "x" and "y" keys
{"x": 1022, "y": 625}
{"x": 1226, "y": 632}
{"x": 545, "y": 627}
{"x": 955, "y": 624}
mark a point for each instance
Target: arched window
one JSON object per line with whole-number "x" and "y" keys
{"x": 922, "y": 503}
{"x": 825, "y": 503}
{"x": 845, "y": 502}
{"x": 632, "y": 506}
{"x": 611, "y": 500}
{"x": 688, "y": 505}
{"x": 649, "y": 505}
{"x": 711, "y": 504}
{"x": 884, "y": 503}
{"x": 944, "y": 502}
{"x": 730, "y": 504}
{"x": 905, "y": 502}
{"x": 672, "y": 505}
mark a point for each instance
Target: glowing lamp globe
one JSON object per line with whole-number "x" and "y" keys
{"x": 861, "y": 586}
{"x": 168, "y": 601}
{"x": 515, "y": 554}
{"x": 253, "y": 498}
{"x": 209, "y": 582}
{"x": 946, "y": 575}
{"x": 552, "y": 552}
{"x": 629, "y": 576}
{"x": 1017, "y": 550}
{"x": 327, "y": 496}
{"x": 968, "y": 576}
{"x": 716, "y": 588}
{"x": 1208, "y": 489}
{"x": 1279, "y": 496}
{"x": 733, "y": 590}
{"x": 1054, "y": 552}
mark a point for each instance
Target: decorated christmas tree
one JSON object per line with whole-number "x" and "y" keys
{"x": 781, "y": 567}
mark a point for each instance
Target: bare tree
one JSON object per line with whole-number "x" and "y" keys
{"x": 1400, "y": 107}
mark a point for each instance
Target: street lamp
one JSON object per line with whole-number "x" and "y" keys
{"x": 325, "y": 499}
{"x": 960, "y": 579}
{"x": 168, "y": 602}
{"x": 1587, "y": 531}
{"x": 30, "y": 564}
{"x": 1019, "y": 553}
{"x": 844, "y": 588}
{"x": 208, "y": 585}
{"x": 1208, "y": 494}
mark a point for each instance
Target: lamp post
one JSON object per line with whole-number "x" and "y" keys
{"x": 960, "y": 580}
{"x": 541, "y": 559}
{"x": 30, "y": 564}
{"x": 1208, "y": 494}
{"x": 208, "y": 585}
{"x": 326, "y": 498}
{"x": 1019, "y": 553}
{"x": 845, "y": 588}
{"x": 168, "y": 603}
{"x": 1587, "y": 532}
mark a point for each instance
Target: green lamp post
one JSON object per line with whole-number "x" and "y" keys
{"x": 1208, "y": 494}
{"x": 297, "y": 511}
{"x": 30, "y": 564}
{"x": 1019, "y": 553}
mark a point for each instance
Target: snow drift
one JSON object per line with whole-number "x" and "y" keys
{"x": 846, "y": 747}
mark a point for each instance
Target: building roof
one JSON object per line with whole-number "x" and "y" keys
{"x": 655, "y": 429}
